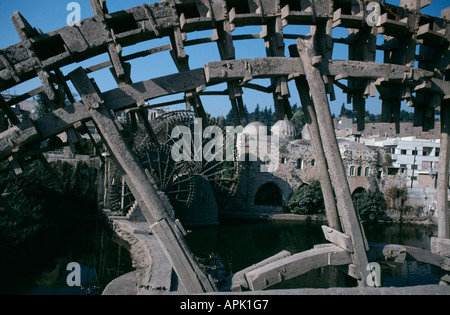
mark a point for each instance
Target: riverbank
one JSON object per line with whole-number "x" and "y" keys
{"x": 429, "y": 221}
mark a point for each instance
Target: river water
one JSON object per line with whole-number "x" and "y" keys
{"x": 241, "y": 244}
{"x": 101, "y": 260}
{"x": 236, "y": 245}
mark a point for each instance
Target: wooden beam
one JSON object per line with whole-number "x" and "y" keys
{"x": 337, "y": 238}
{"x": 296, "y": 265}
{"x": 316, "y": 141}
{"x": 238, "y": 280}
{"x": 122, "y": 98}
{"x": 440, "y": 246}
{"x": 233, "y": 70}
{"x": 443, "y": 177}
{"x": 349, "y": 218}
{"x": 148, "y": 199}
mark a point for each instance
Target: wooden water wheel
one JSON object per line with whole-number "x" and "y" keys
{"x": 176, "y": 179}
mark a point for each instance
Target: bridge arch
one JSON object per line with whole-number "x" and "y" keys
{"x": 269, "y": 194}
{"x": 358, "y": 190}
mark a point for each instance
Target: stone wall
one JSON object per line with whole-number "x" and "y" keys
{"x": 296, "y": 165}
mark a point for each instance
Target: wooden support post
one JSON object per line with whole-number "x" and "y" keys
{"x": 275, "y": 48}
{"x": 15, "y": 121}
{"x": 153, "y": 208}
{"x": 9, "y": 112}
{"x": 313, "y": 128}
{"x": 99, "y": 7}
{"x": 350, "y": 222}
{"x": 444, "y": 160}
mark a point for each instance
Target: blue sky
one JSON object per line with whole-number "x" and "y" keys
{"x": 49, "y": 15}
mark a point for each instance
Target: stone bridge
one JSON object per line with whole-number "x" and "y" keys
{"x": 405, "y": 28}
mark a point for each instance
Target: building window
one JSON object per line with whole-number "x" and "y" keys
{"x": 427, "y": 151}
{"x": 414, "y": 167}
{"x": 300, "y": 164}
{"x": 437, "y": 152}
{"x": 313, "y": 163}
{"x": 283, "y": 160}
{"x": 414, "y": 152}
{"x": 352, "y": 171}
{"x": 360, "y": 171}
{"x": 403, "y": 152}
{"x": 367, "y": 172}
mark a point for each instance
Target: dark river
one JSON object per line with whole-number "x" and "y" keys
{"x": 101, "y": 260}
{"x": 237, "y": 245}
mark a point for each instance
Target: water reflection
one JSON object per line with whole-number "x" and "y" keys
{"x": 101, "y": 260}
{"x": 242, "y": 244}
{"x": 236, "y": 245}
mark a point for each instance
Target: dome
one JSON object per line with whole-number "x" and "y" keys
{"x": 284, "y": 129}
{"x": 253, "y": 129}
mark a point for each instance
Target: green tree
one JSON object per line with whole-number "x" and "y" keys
{"x": 44, "y": 105}
{"x": 298, "y": 120}
{"x": 370, "y": 205}
{"x": 230, "y": 119}
{"x": 256, "y": 115}
{"x": 307, "y": 199}
{"x": 406, "y": 116}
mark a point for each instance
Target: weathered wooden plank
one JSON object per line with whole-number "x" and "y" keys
{"x": 232, "y": 70}
{"x": 349, "y": 219}
{"x": 338, "y": 238}
{"x": 23, "y": 28}
{"x": 126, "y": 96}
{"x": 8, "y": 111}
{"x": 440, "y": 246}
{"x": 149, "y": 201}
{"x": 296, "y": 265}
{"x": 400, "y": 253}
{"x": 428, "y": 257}
{"x": 83, "y": 42}
{"x": 444, "y": 168}
{"x": 182, "y": 267}
{"x": 17, "y": 136}
{"x": 238, "y": 280}
{"x": 313, "y": 128}
{"x": 122, "y": 98}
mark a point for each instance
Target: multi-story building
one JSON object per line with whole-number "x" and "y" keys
{"x": 418, "y": 159}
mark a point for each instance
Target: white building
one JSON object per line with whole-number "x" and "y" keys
{"x": 419, "y": 159}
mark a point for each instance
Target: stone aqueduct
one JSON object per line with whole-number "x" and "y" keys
{"x": 421, "y": 79}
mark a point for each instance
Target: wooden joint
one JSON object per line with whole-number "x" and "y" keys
{"x": 316, "y": 61}
{"x": 87, "y": 89}
{"x": 338, "y": 238}
{"x": 99, "y": 7}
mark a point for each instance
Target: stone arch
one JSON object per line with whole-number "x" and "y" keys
{"x": 358, "y": 190}
{"x": 269, "y": 194}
